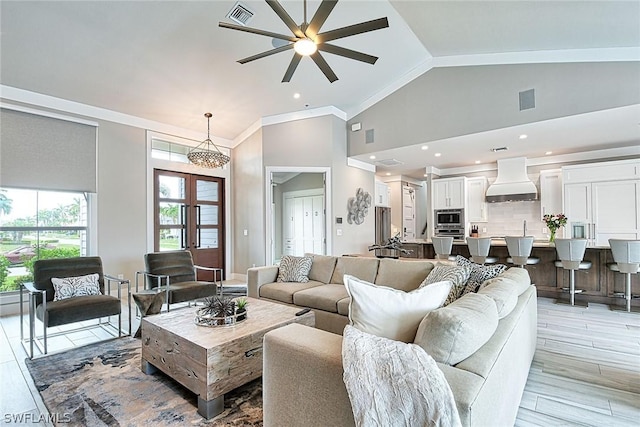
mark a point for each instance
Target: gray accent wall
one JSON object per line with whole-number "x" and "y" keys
{"x": 454, "y": 101}
{"x": 248, "y": 210}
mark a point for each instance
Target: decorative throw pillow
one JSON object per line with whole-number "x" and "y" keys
{"x": 79, "y": 286}
{"x": 391, "y": 313}
{"x": 479, "y": 273}
{"x": 294, "y": 269}
{"x": 390, "y": 383}
{"x": 457, "y": 275}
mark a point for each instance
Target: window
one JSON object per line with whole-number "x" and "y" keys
{"x": 38, "y": 225}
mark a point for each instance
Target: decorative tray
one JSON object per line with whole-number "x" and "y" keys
{"x": 213, "y": 321}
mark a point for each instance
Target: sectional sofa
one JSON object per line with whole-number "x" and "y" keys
{"x": 303, "y": 376}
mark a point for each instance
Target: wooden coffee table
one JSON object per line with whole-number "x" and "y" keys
{"x": 211, "y": 361}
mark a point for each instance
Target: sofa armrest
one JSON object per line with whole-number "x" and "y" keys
{"x": 258, "y": 276}
{"x": 302, "y": 379}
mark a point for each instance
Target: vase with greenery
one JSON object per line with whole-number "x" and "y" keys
{"x": 241, "y": 308}
{"x": 554, "y": 223}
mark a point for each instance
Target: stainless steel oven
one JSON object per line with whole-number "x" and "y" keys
{"x": 449, "y": 222}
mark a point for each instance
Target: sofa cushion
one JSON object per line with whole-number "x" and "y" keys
{"x": 294, "y": 269}
{"x": 519, "y": 277}
{"x": 360, "y": 267}
{"x": 451, "y": 334}
{"x": 283, "y": 291}
{"x": 343, "y": 306}
{"x": 323, "y": 297}
{"x": 391, "y": 313}
{"x": 322, "y": 267}
{"x": 503, "y": 293}
{"x": 479, "y": 273}
{"x": 458, "y": 275}
{"x": 403, "y": 275}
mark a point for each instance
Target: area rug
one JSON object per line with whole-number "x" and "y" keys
{"x": 102, "y": 385}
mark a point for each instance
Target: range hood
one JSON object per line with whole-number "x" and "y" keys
{"x": 512, "y": 184}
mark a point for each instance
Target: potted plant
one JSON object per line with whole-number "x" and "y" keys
{"x": 217, "y": 311}
{"x": 241, "y": 308}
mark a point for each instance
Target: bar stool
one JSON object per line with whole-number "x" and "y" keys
{"x": 571, "y": 254}
{"x": 479, "y": 250}
{"x": 519, "y": 248}
{"x": 442, "y": 246}
{"x": 626, "y": 254}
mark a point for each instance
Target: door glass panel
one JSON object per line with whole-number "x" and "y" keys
{"x": 172, "y": 187}
{"x": 208, "y": 215}
{"x": 171, "y": 213}
{"x": 170, "y": 239}
{"x": 207, "y": 191}
{"x": 209, "y": 238}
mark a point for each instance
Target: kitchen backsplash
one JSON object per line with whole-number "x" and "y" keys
{"x": 506, "y": 219}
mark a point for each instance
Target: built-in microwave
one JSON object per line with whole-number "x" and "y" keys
{"x": 449, "y": 218}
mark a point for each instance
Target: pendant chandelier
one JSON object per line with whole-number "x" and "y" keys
{"x": 207, "y": 154}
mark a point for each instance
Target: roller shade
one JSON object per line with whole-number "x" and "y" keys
{"x": 46, "y": 153}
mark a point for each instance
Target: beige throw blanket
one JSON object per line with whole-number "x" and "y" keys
{"x": 391, "y": 383}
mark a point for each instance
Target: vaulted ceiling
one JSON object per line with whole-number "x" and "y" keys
{"x": 168, "y": 62}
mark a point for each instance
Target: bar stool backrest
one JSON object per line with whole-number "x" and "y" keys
{"x": 442, "y": 246}
{"x": 626, "y": 253}
{"x": 519, "y": 246}
{"x": 571, "y": 252}
{"x": 479, "y": 248}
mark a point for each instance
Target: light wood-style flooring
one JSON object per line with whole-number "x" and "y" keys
{"x": 586, "y": 369}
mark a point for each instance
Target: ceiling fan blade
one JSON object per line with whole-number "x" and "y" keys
{"x": 265, "y": 54}
{"x": 289, "y": 22}
{"x": 292, "y": 67}
{"x": 320, "y": 17}
{"x": 257, "y": 31}
{"x": 352, "y": 30}
{"x": 324, "y": 67}
{"x": 348, "y": 53}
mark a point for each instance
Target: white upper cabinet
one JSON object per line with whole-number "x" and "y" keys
{"x": 477, "y": 206}
{"x": 602, "y": 201}
{"x": 449, "y": 193}
{"x": 550, "y": 192}
{"x": 382, "y": 194}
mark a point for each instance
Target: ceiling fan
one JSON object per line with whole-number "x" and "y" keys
{"x": 307, "y": 40}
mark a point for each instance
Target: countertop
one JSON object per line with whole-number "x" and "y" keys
{"x": 499, "y": 241}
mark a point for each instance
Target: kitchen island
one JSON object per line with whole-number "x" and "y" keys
{"x": 599, "y": 284}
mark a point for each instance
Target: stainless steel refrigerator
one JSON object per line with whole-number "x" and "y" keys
{"x": 383, "y": 232}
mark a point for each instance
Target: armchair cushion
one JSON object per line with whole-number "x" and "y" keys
{"x": 176, "y": 264}
{"x": 78, "y": 286}
{"x": 79, "y": 308}
{"x": 45, "y": 269}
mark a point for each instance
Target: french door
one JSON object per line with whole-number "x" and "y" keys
{"x": 189, "y": 215}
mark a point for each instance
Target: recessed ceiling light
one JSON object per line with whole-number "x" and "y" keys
{"x": 388, "y": 174}
{"x": 424, "y": 147}
{"x": 372, "y": 157}
{"x": 438, "y": 154}
{"x": 477, "y": 162}
{"x": 296, "y": 95}
{"x": 523, "y": 136}
{"x": 548, "y": 152}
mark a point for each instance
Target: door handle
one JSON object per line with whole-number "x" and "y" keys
{"x": 198, "y": 228}
{"x": 184, "y": 243}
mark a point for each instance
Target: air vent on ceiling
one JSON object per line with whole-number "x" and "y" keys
{"x": 389, "y": 162}
{"x": 497, "y": 149}
{"x": 240, "y": 14}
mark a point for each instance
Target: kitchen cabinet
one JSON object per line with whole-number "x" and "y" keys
{"x": 550, "y": 192}
{"x": 477, "y": 204}
{"x": 449, "y": 193}
{"x": 607, "y": 206}
{"x": 382, "y": 194}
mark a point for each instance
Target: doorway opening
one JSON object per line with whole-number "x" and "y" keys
{"x": 298, "y": 211}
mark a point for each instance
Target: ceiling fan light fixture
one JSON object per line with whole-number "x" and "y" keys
{"x": 207, "y": 154}
{"x": 305, "y": 47}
